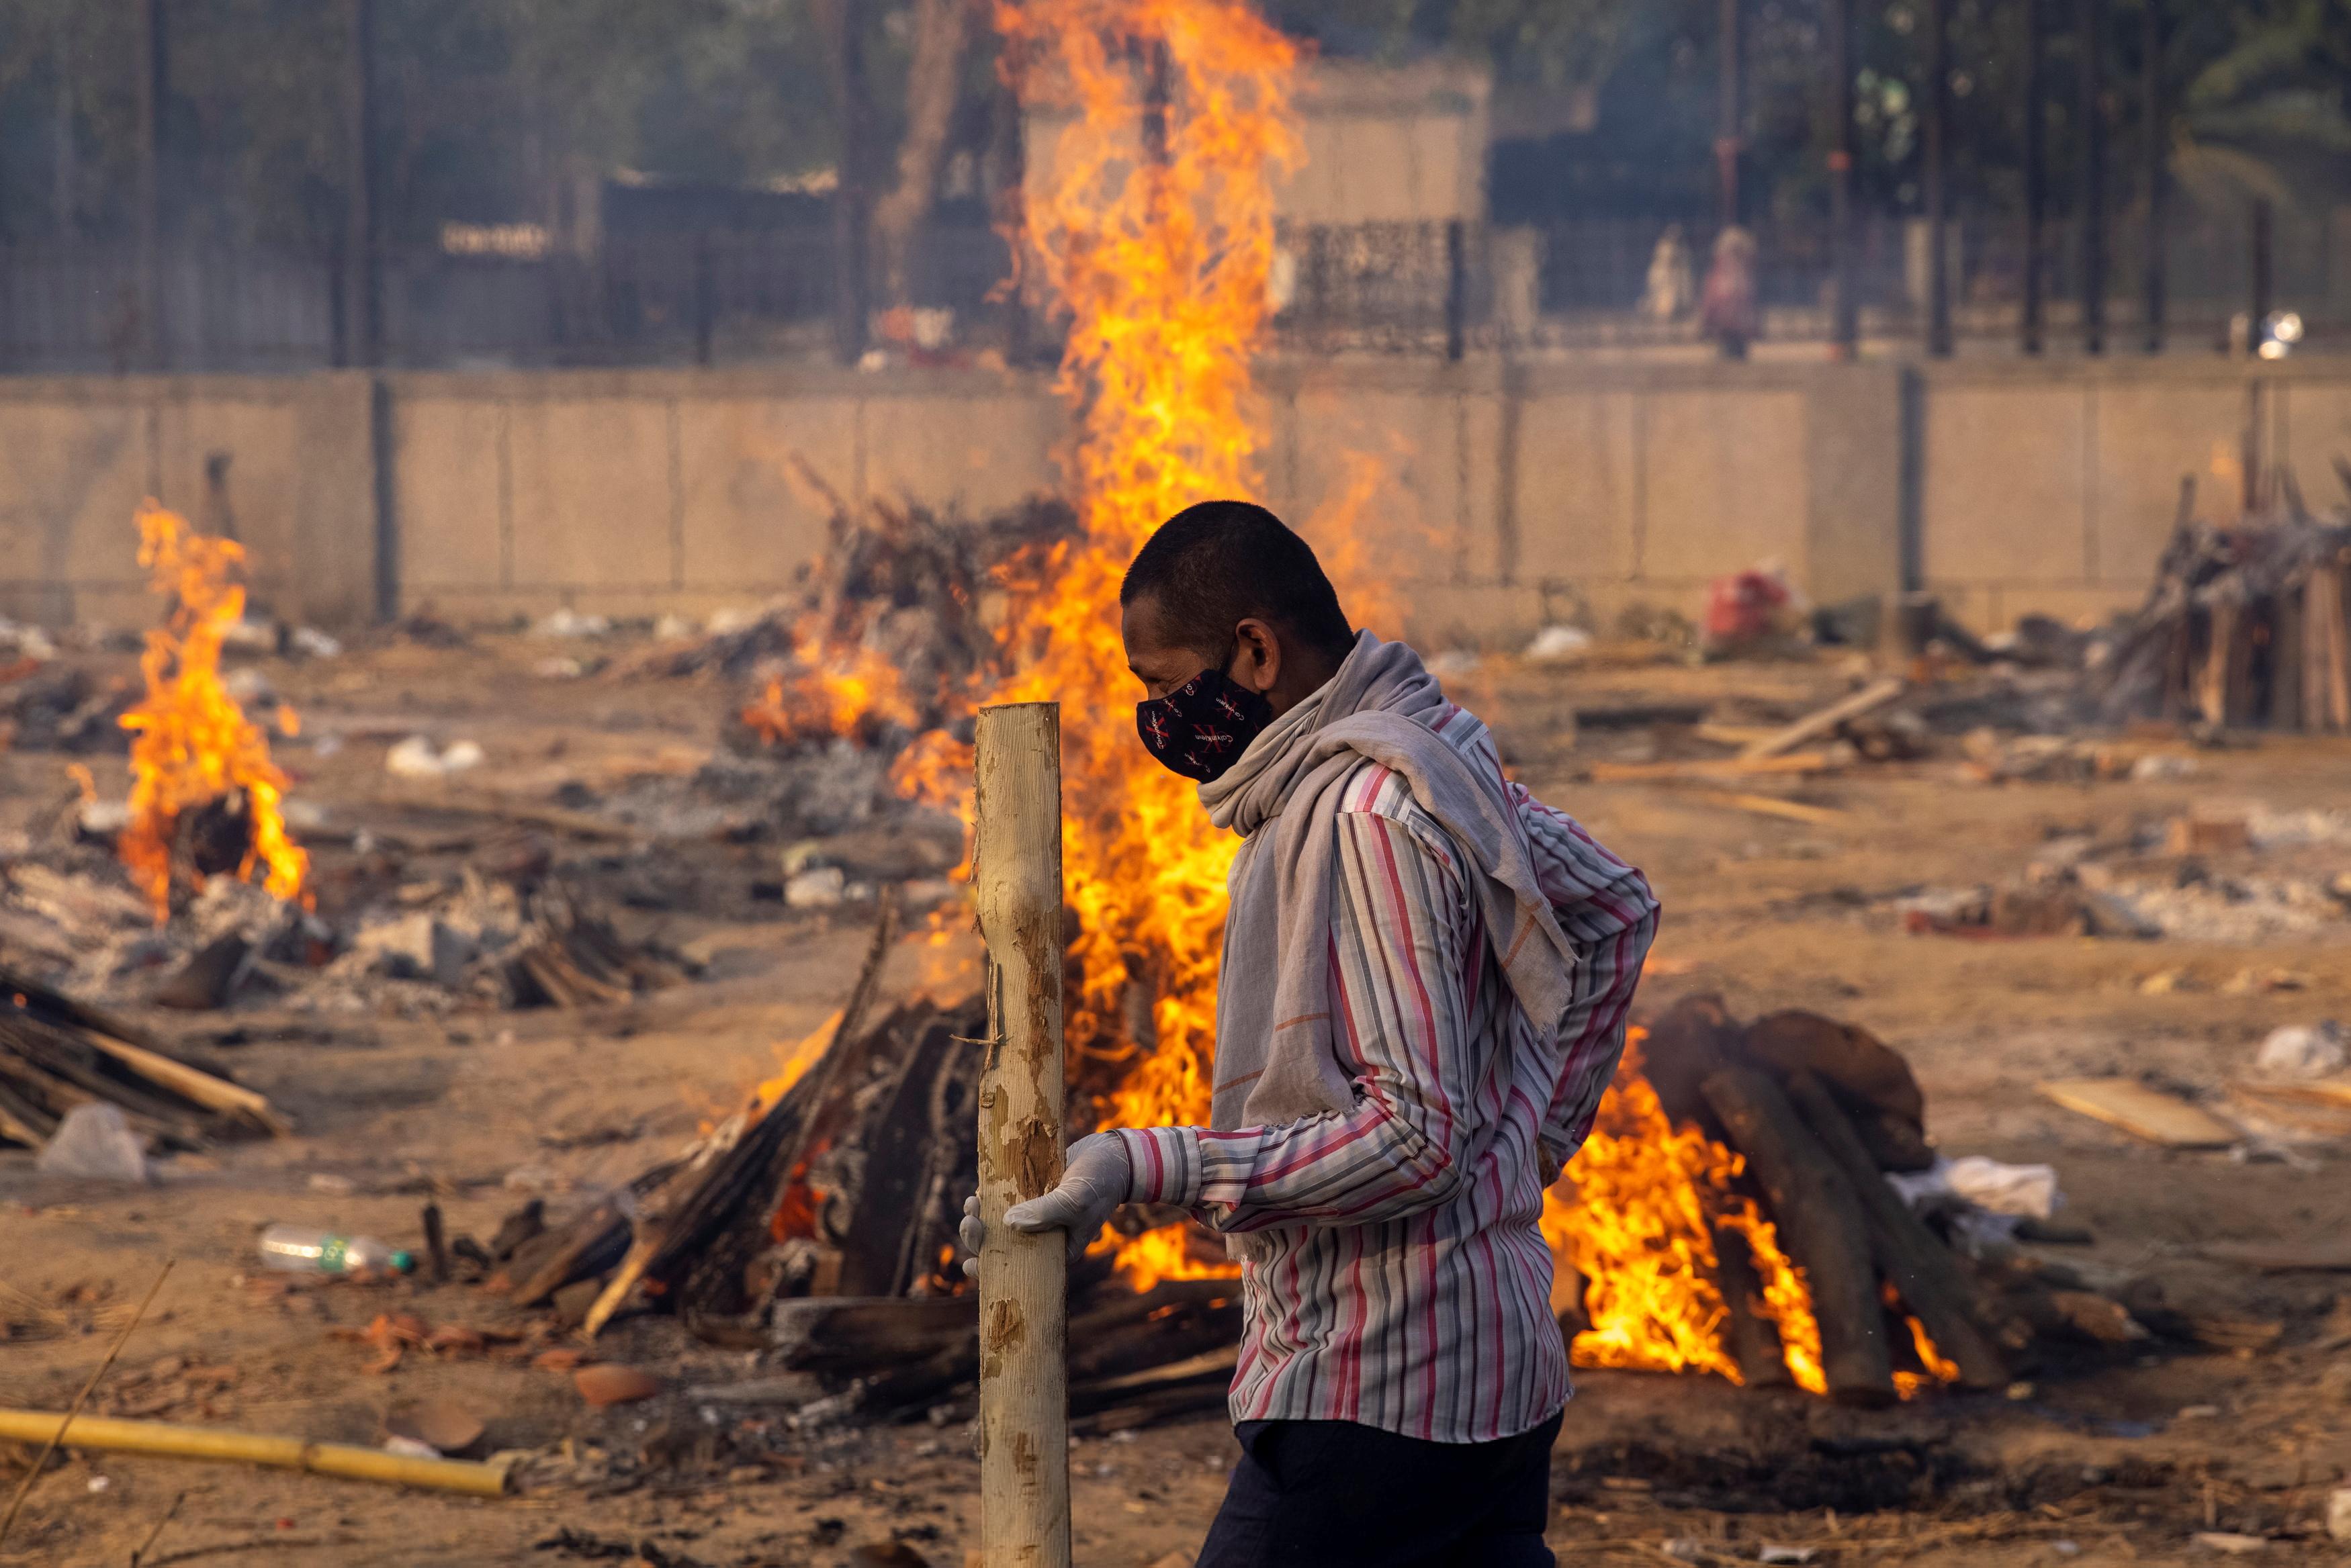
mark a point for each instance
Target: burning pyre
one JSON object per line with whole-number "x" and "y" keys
{"x": 193, "y": 749}
{"x": 1153, "y": 227}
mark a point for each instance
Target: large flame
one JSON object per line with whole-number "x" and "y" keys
{"x": 192, "y": 744}
{"x": 1152, "y": 223}
{"x": 1152, "y": 227}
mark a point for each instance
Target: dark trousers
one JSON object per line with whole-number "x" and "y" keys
{"x": 1311, "y": 1493}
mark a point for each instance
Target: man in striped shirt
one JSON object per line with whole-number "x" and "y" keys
{"x": 1401, "y": 1376}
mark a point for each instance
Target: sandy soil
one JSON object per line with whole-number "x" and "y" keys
{"x": 2125, "y": 1462}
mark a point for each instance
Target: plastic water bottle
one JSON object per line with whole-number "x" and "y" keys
{"x": 300, "y": 1250}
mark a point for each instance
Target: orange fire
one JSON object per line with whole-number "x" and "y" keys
{"x": 192, "y": 744}
{"x": 832, "y": 692}
{"x": 1152, "y": 224}
{"x": 1636, "y": 1217}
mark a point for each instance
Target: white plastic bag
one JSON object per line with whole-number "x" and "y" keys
{"x": 94, "y": 1142}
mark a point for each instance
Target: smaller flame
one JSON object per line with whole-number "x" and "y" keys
{"x": 832, "y": 691}
{"x": 1635, "y": 1216}
{"x": 190, "y": 742}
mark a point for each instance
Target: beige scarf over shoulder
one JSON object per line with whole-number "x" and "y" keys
{"x": 1276, "y": 1060}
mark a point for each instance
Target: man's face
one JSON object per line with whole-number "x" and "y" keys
{"x": 1161, "y": 664}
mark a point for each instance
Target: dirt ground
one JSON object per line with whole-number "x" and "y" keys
{"x": 2124, "y": 1460}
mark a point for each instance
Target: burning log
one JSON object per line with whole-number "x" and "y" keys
{"x": 1818, "y": 1212}
{"x": 1931, "y": 1282}
{"x": 1753, "y": 1343}
{"x": 56, "y": 1054}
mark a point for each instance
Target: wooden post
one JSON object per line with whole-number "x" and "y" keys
{"x": 1024, "y": 1408}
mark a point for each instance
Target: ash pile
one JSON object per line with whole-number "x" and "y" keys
{"x": 423, "y": 946}
{"x": 850, "y": 706}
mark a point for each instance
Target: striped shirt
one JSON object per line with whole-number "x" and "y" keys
{"x": 1393, "y": 1268}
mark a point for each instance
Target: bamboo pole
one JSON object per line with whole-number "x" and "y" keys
{"x": 1024, "y": 1407}
{"x": 341, "y": 1459}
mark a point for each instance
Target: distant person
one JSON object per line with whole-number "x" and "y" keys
{"x": 1671, "y": 284}
{"x": 1728, "y": 312}
{"x": 1424, "y": 981}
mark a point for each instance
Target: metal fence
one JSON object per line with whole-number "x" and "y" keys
{"x": 1426, "y": 288}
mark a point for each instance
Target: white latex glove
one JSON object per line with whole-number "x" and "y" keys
{"x": 1095, "y": 1180}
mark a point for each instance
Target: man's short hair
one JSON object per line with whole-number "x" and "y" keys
{"x": 1214, "y": 565}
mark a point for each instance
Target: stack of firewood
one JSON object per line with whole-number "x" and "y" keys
{"x": 2244, "y": 626}
{"x": 821, "y": 1229}
{"x": 1822, "y": 1112}
{"x": 56, "y": 1054}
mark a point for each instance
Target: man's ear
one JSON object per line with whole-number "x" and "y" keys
{"x": 1258, "y": 663}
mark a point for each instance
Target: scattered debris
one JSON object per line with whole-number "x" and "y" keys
{"x": 57, "y": 1054}
{"x": 2302, "y": 1051}
{"x": 605, "y": 1384}
{"x": 417, "y": 758}
{"x": 1558, "y": 645}
{"x": 94, "y": 1142}
{"x": 2243, "y": 626}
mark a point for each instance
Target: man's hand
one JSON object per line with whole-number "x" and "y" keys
{"x": 1095, "y": 1181}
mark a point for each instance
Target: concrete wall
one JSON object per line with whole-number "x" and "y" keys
{"x": 1467, "y": 503}
{"x": 2054, "y": 489}
{"x": 82, "y": 453}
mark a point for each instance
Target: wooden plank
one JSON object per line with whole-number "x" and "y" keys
{"x": 2283, "y": 1257}
{"x": 1772, "y": 805}
{"x": 2330, "y": 1092}
{"x": 858, "y": 1333}
{"x": 1824, "y": 721}
{"x": 2142, "y": 1112}
{"x": 1703, "y": 769}
{"x": 1735, "y": 734}
{"x": 213, "y": 1094}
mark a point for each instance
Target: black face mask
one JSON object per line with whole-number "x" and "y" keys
{"x": 1202, "y": 727}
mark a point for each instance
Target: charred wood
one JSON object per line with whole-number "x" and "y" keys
{"x": 1820, "y": 1223}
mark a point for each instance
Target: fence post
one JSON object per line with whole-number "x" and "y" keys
{"x": 153, "y": 111}
{"x": 2093, "y": 176}
{"x": 1939, "y": 152}
{"x": 2264, "y": 227}
{"x": 1024, "y": 1407}
{"x": 2036, "y": 127}
{"x": 706, "y": 297}
{"x": 1457, "y": 288}
{"x": 1845, "y": 333}
{"x": 2151, "y": 93}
